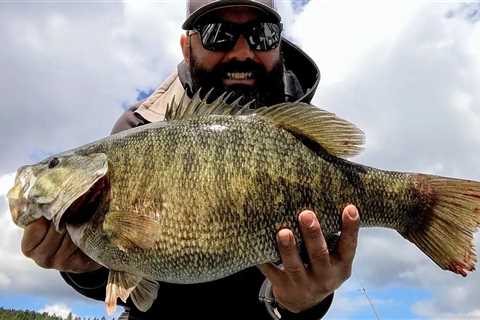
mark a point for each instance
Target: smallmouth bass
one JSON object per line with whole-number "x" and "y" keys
{"x": 202, "y": 195}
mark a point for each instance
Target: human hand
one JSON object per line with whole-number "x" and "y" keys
{"x": 297, "y": 287}
{"x": 52, "y": 250}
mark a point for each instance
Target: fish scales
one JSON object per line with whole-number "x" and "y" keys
{"x": 215, "y": 207}
{"x": 226, "y": 213}
{"x": 202, "y": 195}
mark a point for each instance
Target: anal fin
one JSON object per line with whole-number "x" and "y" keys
{"x": 143, "y": 292}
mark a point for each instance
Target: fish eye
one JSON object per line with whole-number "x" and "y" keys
{"x": 53, "y": 163}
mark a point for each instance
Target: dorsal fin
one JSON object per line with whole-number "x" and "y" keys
{"x": 337, "y": 136}
{"x": 195, "y": 107}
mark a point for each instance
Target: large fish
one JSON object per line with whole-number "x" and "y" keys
{"x": 202, "y": 195}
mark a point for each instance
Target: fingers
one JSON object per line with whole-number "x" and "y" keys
{"x": 33, "y": 235}
{"x": 298, "y": 288}
{"x": 348, "y": 238}
{"x": 292, "y": 263}
{"x": 293, "y": 268}
{"x": 67, "y": 248}
{"x": 314, "y": 241}
{"x": 79, "y": 262}
{"x": 272, "y": 273}
{"x": 70, "y": 258}
{"x": 50, "y": 249}
{"x": 44, "y": 252}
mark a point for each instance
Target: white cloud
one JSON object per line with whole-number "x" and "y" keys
{"x": 350, "y": 303}
{"x": 339, "y": 34}
{"x": 347, "y": 305}
{"x": 4, "y": 281}
{"x": 429, "y": 310}
{"x": 59, "y": 310}
{"x": 6, "y": 182}
{"x": 70, "y": 68}
{"x": 451, "y": 295}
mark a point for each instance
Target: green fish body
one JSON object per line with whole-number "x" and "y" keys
{"x": 202, "y": 195}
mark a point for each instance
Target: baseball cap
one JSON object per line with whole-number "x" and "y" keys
{"x": 199, "y": 8}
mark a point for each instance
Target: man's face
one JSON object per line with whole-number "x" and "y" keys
{"x": 245, "y": 72}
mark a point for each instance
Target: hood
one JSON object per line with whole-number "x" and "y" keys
{"x": 301, "y": 74}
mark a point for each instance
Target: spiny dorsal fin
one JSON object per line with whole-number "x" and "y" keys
{"x": 195, "y": 107}
{"x": 337, "y": 136}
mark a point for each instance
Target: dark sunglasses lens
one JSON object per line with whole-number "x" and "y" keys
{"x": 264, "y": 36}
{"x": 217, "y": 36}
{"x": 220, "y": 36}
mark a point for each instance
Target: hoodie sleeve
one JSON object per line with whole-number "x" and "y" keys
{"x": 315, "y": 313}
{"x": 90, "y": 284}
{"x": 129, "y": 119}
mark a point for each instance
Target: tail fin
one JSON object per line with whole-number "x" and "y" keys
{"x": 447, "y": 233}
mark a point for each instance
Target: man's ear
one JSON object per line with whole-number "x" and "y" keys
{"x": 185, "y": 44}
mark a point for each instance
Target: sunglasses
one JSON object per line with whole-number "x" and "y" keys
{"x": 222, "y": 36}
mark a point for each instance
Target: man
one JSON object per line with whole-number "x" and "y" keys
{"x": 233, "y": 46}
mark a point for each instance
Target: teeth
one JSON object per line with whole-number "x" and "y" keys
{"x": 239, "y": 75}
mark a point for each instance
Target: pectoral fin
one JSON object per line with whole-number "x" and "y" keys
{"x": 123, "y": 285}
{"x": 128, "y": 231}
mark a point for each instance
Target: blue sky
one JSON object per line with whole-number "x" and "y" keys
{"x": 406, "y": 72}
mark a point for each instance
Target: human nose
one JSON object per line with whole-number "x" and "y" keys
{"x": 241, "y": 51}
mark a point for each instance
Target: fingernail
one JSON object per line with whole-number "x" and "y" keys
{"x": 307, "y": 219}
{"x": 352, "y": 212}
{"x": 285, "y": 238}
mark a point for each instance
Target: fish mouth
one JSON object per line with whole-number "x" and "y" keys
{"x": 86, "y": 205}
{"x": 17, "y": 210}
{"x": 78, "y": 212}
{"x": 19, "y": 205}
{"x": 14, "y": 201}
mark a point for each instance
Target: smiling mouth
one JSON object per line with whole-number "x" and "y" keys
{"x": 239, "y": 76}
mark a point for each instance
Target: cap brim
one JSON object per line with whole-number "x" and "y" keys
{"x": 196, "y": 15}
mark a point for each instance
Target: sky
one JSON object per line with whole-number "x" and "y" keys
{"x": 406, "y": 72}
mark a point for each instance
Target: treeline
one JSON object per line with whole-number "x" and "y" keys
{"x": 10, "y": 314}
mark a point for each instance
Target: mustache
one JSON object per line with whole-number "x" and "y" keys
{"x": 268, "y": 90}
{"x": 241, "y": 66}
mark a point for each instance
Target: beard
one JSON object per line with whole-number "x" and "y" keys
{"x": 268, "y": 89}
